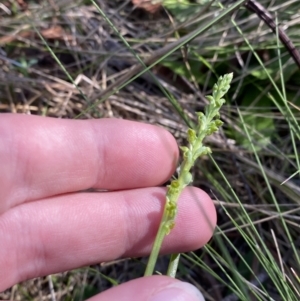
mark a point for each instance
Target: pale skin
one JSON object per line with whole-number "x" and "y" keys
{"x": 49, "y": 225}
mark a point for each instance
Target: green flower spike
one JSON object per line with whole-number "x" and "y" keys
{"x": 208, "y": 123}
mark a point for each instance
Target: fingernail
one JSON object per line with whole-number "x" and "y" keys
{"x": 179, "y": 291}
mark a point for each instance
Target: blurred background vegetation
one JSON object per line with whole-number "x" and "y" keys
{"x": 83, "y": 59}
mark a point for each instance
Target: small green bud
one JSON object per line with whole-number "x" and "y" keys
{"x": 211, "y": 128}
{"x": 171, "y": 208}
{"x": 201, "y": 122}
{"x": 175, "y": 184}
{"x": 200, "y": 115}
{"x": 209, "y": 98}
{"x": 170, "y": 211}
{"x": 227, "y": 78}
{"x": 203, "y": 150}
{"x": 218, "y": 123}
{"x": 187, "y": 178}
{"x": 221, "y": 101}
{"x": 216, "y": 88}
{"x": 185, "y": 151}
{"x": 206, "y": 150}
{"x": 191, "y": 136}
{"x": 174, "y": 187}
{"x": 169, "y": 226}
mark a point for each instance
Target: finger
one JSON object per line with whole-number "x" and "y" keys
{"x": 154, "y": 288}
{"x": 41, "y": 157}
{"x": 75, "y": 230}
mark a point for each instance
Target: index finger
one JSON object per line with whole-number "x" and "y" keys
{"x": 42, "y": 157}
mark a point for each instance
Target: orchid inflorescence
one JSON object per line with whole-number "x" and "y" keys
{"x": 208, "y": 123}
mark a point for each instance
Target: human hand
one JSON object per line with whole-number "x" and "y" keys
{"x": 49, "y": 225}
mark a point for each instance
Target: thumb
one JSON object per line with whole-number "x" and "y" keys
{"x": 153, "y": 288}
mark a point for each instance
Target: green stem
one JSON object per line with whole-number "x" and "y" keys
{"x": 173, "y": 264}
{"x": 155, "y": 249}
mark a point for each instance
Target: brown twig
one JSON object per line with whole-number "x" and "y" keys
{"x": 265, "y": 16}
